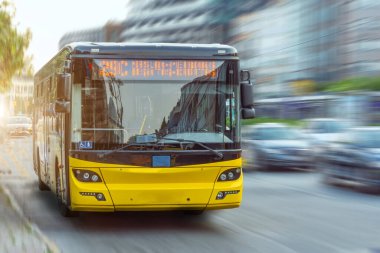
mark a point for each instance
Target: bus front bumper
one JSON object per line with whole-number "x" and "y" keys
{"x": 131, "y": 189}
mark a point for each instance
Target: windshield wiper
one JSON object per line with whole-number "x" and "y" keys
{"x": 217, "y": 153}
{"x": 106, "y": 153}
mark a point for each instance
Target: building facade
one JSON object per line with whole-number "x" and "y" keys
{"x": 183, "y": 21}
{"x": 171, "y": 21}
{"x": 359, "y": 38}
{"x": 289, "y": 46}
{"x": 110, "y": 32}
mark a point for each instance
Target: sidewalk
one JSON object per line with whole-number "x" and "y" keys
{"x": 17, "y": 234}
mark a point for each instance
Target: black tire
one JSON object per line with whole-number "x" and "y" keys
{"x": 41, "y": 185}
{"x": 62, "y": 207}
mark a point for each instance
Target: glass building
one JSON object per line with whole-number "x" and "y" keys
{"x": 289, "y": 46}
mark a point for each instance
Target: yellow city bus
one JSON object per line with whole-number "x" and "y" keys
{"x": 141, "y": 126}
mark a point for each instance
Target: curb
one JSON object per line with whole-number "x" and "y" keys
{"x": 50, "y": 245}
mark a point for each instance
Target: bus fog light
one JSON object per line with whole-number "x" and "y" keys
{"x": 100, "y": 197}
{"x": 94, "y": 178}
{"x": 223, "y": 194}
{"x": 220, "y": 195}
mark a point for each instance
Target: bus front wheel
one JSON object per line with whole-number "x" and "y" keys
{"x": 41, "y": 185}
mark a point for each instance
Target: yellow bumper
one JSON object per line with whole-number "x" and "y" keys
{"x": 126, "y": 188}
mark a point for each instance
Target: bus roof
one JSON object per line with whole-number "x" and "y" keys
{"x": 151, "y": 50}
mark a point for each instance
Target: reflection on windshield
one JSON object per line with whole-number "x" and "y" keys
{"x": 117, "y": 111}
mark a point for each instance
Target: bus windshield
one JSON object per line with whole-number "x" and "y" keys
{"x": 122, "y": 102}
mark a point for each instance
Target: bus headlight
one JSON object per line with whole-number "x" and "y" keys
{"x": 94, "y": 178}
{"x": 86, "y": 175}
{"x": 229, "y": 175}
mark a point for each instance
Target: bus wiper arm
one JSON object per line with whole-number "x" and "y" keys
{"x": 217, "y": 153}
{"x": 106, "y": 153}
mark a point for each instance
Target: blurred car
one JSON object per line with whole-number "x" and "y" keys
{"x": 19, "y": 125}
{"x": 356, "y": 160}
{"x": 324, "y": 131}
{"x": 273, "y": 145}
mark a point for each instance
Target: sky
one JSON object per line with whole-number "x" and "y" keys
{"x": 49, "y": 20}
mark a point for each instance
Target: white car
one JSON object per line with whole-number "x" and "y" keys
{"x": 326, "y": 129}
{"x": 19, "y": 125}
{"x": 274, "y": 146}
{"x": 322, "y": 132}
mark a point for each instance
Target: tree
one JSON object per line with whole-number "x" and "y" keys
{"x": 13, "y": 45}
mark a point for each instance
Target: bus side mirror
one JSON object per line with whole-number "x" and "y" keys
{"x": 246, "y": 93}
{"x": 63, "y": 91}
{"x": 62, "y": 106}
{"x": 248, "y": 113}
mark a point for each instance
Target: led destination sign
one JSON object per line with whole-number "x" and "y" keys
{"x": 154, "y": 69}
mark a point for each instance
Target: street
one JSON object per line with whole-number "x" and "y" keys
{"x": 281, "y": 212}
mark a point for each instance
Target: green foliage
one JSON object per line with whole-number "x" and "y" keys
{"x": 357, "y": 83}
{"x": 13, "y": 45}
{"x": 271, "y": 120}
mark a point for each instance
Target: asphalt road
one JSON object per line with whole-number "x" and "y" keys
{"x": 281, "y": 212}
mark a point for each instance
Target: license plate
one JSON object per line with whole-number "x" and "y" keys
{"x": 161, "y": 161}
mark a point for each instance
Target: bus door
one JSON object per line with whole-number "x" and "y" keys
{"x": 61, "y": 125}
{"x": 45, "y": 145}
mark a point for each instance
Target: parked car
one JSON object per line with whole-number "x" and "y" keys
{"x": 273, "y": 145}
{"x": 19, "y": 125}
{"x": 356, "y": 160}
